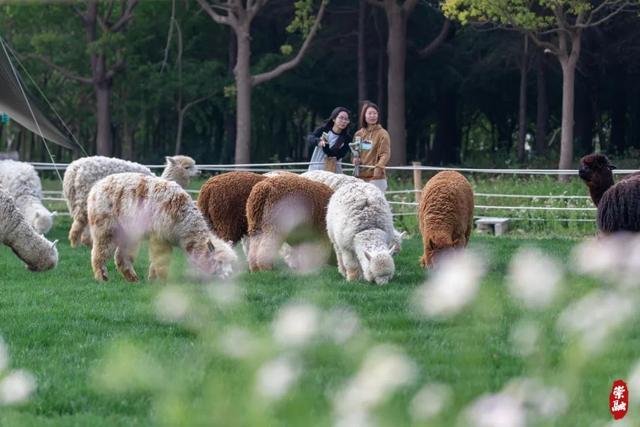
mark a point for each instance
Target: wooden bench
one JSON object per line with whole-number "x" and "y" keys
{"x": 497, "y": 226}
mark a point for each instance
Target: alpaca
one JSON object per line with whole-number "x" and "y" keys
{"x": 618, "y": 204}
{"x": 21, "y": 181}
{"x": 124, "y": 208}
{"x": 360, "y": 226}
{"x": 275, "y": 207}
{"x": 445, "y": 214}
{"x": 333, "y": 180}
{"x": 33, "y": 249}
{"x": 83, "y": 173}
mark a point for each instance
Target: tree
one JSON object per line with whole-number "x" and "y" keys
{"x": 554, "y": 25}
{"x": 239, "y": 14}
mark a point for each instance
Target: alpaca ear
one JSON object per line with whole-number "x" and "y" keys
{"x": 170, "y": 160}
{"x": 230, "y": 243}
{"x": 367, "y": 255}
{"x": 401, "y": 236}
{"x": 612, "y": 167}
{"x": 53, "y": 245}
{"x": 210, "y": 246}
{"x": 54, "y": 214}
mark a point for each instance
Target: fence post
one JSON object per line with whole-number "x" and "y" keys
{"x": 417, "y": 181}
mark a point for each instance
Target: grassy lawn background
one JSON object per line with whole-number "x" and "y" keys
{"x": 59, "y": 325}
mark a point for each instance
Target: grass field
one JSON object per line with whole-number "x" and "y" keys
{"x": 102, "y": 356}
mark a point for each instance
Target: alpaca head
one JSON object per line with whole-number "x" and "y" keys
{"x": 180, "y": 169}
{"x": 40, "y": 219}
{"x": 43, "y": 255}
{"x": 380, "y": 268}
{"x": 595, "y": 171}
{"x": 213, "y": 259}
{"x": 438, "y": 243}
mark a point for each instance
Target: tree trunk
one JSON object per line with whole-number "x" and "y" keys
{"x": 242, "y": 74}
{"x": 584, "y": 120}
{"x": 179, "y": 133}
{"x": 542, "y": 112}
{"x": 362, "y": 53}
{"x": 568, "y": 92}
{"x": 104, "y": 144}
{"x": 446, "y": 144}
{"x": 396, "y": 51}
{"x": 522, "y": 110}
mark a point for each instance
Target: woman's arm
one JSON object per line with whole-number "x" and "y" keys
{"x": 314, "y": 137}
{"x": 384, "y": 154}
{"x": 341, "y": 151}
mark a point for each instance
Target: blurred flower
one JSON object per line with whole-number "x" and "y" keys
{"x": 296, "y": 324}
{"x": 355, "y": 419}
{"x": 496, "y": 410}
{"x": 275, "y": 377}
{"x": 289, "y": 213}
{"x": 305, "y": 258}
{"x": 595, "y": 315}
{"x": 224, "y": 293}
{"x": 634, "y": 384}
{"x": 540, "y": 400}
{"x": 430, "y": 401}
{"x": 340, "y": 324}
{"x": 237, "y": 343}
{"x": 524, "y": 337}
{"x": 171, "y": 304}
{"x": 454, "y": 284}
{"x": 533, "y": 278}
{"x": 384, "y": 370}
{"x": 16, "y": 387}
{"x": 4, "y": 355}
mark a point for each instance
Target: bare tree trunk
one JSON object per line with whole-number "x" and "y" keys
{"x": 362, "y": 53}
{"x": 568, "y": 93}
{"x": 522, "y": 111}
{"x": 396, "y": 51}
{"x": 542, "y": 111}
{"x": 179, "y": 133}
{"x": 242, "y": 74}
{"x": 104, "y": 143}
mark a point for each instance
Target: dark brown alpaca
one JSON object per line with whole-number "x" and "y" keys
{"x": 618, "y": 204}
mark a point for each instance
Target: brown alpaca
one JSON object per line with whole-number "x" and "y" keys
{"x": 618, "y": 204}
{"x": 275, "y": 206}
{"x": 445, "y": 214}
{"x": 223, "y": 201}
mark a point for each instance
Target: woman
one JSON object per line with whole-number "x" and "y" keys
{"x": 330, "y": 140}
{"x": 375, "y": 146}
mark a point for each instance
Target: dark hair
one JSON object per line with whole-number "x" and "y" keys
{"x": 365, "y": 107}
{"x": 332, "y": 118}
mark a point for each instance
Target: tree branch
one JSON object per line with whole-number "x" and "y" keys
{"x": 437, "y": 42}
{"x": 263, "y": 77}
{"x": 63, "y": 71}
{"x": 125, "y": 16}
{"x": 118, "y": 66}
{"x": 589, "y": 22}
{"x": 220, "y": 19}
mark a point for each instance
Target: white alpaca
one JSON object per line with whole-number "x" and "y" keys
{"x": 333, "y": 180}
{"x": 21, "y": 181}
{"x": 124, "y": 208}
{"x": 360, "y": 226}
{"x": 33, "y": 249}
{"x": 83, "y": 173}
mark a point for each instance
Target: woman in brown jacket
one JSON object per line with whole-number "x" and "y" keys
{"x": 375, "y": 149}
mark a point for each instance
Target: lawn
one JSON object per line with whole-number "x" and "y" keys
{"x": 150, "y": 354}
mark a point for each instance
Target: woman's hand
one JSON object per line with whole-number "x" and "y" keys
{"x": 322, "y": 142}
{"x": 356, "y": 161}
{"x": 377, "y": 173}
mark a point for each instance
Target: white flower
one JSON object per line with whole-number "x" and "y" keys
{"x": 16, "y": 387}
{"x": 275, "y": 377}
{"x": 633, "y": 384}
{"x": 541, "y": 401}
{"x": 238, "y": 343}
{"x": 340, "y": 324}
{"x": 533, "y": 278}
{"x": 305, "y": 258}
{"x": 524, "y": 337}
{"x": 496, "y": 410}
{"x": 355, "y": 419}
{"x": 454, "y": 284}
{"x": 4, "y": 355}
{"x": 430, "y": 401}
{"x": 224, "y": 293}
{"x": 384, "y": 370}
{"x": 596, "y": 315}
{"x": 171, "y": 304}
{"x": 296, "y": 324}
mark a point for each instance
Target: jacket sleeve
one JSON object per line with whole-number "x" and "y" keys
{"x": 314, "y": 137}
{"x": 341, "y": 151}
{"x": 384, "y": 152}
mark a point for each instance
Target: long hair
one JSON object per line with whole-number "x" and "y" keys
{"x": 365, "y": 107}
{"x": 332, "y": 118}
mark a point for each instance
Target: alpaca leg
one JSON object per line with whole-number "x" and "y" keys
{"x": 77, "y": 229}
{"x": 159, "y": 258}
{"x": 266, "y": 252}
{"x": 85, "y": 238}
{"x": 253, "y": 242}
{"x": 351, "y": 265}
{"x": 341, "y": 268}
{"x": 101, "y": 251}
{"x": 125, "y": 254}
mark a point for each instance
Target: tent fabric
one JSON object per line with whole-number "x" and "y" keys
{"x": 13, "y": 102}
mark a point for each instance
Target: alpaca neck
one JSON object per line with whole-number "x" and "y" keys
{"x": 171, "y": 174}
{"x": 596, "y": 191}
{"x": 22, "y": 239}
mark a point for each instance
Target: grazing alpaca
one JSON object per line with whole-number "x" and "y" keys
{"x": 618, "y": 204}
{"x": 34, "y": 250}
{"x": 445, "y": 214}
{"x": 81, "y": 174}
{"x": 125, "y": 207}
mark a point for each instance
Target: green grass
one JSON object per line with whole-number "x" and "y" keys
{"x": 60, "y": 325}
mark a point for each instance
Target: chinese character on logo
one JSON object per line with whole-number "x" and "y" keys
{"x": 619, "y": 399}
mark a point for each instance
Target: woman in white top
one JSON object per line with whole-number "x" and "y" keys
{"x": 330, "y": 140}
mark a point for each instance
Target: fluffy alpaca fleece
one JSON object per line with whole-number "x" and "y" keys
{"x": 275, "y": 207}
{"x": 333, "y": 180}
{"x": 618, "y": 204}
{"x": 445, "y": 214}
{"x": 360, "y": 226}
{"x": 83, "y": 173}
{"x": 126, "y": 207}
{"x": 33, "y": 249}
{"x": 223, "y": 200}
{"x": 22, "y": 183}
